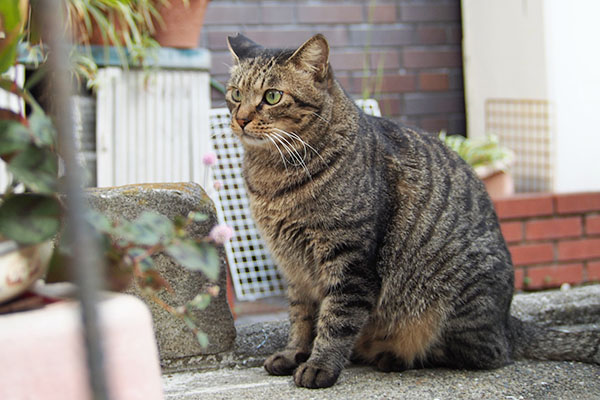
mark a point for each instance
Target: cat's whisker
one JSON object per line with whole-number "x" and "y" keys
{"x": 289, "y": 148}
{"x": 279, "y": 150}
{"x": 292, "y": 152}
{"x": 321, "y": 117}
{"x": 297, "y": 137}
{"x": 292, "y": 138}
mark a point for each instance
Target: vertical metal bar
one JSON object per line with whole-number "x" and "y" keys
{"x": 86, "y": 265}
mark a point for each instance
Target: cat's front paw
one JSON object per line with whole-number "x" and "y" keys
{"x": 314, "y": 377}
{"x": 285, "y": 362}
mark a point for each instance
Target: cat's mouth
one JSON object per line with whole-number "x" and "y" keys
{"x": 251, "y": 139}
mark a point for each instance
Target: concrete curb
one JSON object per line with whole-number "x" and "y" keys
{"x": 226, "y": 376}
{"x": 575, "y": 308}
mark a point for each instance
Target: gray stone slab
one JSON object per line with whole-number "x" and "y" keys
{"x": 177, "y": 344}
{"x": 518, "y": 381}
{"x": 575, "y": 306}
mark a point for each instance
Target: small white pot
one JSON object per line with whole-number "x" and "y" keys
{"x": 20, "y": 267}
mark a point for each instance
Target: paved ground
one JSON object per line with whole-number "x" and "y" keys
{"x": 522, "y": 380}
{"x": 223, "y": 377}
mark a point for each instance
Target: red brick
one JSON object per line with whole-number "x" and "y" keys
{"x": 554, "y": 275}
{"x": 430, "y": 82}
{"x": 555, "y": 228}
{"x": 331, "y": 14}
{"x": 579, "y": 249}
{"x": 385, "y": 59}
{"x": 390, "y": 106}
{"x": 382, "y": 36}
{"x": 519, "y": 277}
{"x": 431, "y": 58}
{"x": 336, "y": 36}
{"x": 239, "y": 14}
{"x": 433, "y": 103}
{"x": 430, "y": 11}
{"x": 524, "y": 206}
{"x": 276, "y": 14}
{"x": 579, "y": 202}
{"x": 434, "y": 123}
{"x": 347, "y": 60}
{"x": 512, "y": 231}
{"x": 532, "y": 254}
{"x": 592, "y": 224}
{"x": 455, "y": 34}
{"x": 431, "y": 35}
{"x": 593, "y": 271}
{"x": 382, "y": 13}
{"x": 386, "y": 83}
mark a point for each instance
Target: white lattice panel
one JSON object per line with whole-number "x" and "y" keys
{"x": 525, "y": 127}
{"x": 253, "y": 272}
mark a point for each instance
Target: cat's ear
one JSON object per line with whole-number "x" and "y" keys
{"x": 242, "y": 47}
{"x": 313, "y": 56}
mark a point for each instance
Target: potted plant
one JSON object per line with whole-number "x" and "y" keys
{"x": 31, "y": 210}
{"x": 29, "y": 207}
{"x": 489, "y": 159}
{"x": 181, "y": 23}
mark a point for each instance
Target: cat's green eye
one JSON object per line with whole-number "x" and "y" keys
{"x": 273, "y": 96}
{"x": 236, "y": 95}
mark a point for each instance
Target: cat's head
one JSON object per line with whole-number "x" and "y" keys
{"x": 275, "y": 94}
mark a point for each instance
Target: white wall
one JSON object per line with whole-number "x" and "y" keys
{"x": 503, "y": 51}
{"x": 573, "y": 58}
{"x": 545, "y": 50}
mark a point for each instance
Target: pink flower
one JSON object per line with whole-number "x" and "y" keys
{"x": 221, "y": 233}
{"x": 209, "y": 159}
{"x": 218, "y": 185}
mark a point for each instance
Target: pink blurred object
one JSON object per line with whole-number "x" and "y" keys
{"x": 42, "y": 354}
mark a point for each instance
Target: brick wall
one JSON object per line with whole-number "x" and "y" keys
{"x": 416, "y": 44}
{"x": 553, "y": 239}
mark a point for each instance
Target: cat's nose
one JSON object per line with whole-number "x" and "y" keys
{"x": 242, "y": 122}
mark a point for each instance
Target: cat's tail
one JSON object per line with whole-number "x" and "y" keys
{"x": 535, "y": 342}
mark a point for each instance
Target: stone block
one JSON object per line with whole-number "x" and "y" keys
{"x": 175, "y": 340}
{"x": 576, "y": 306}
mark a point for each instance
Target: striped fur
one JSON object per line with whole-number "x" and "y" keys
{"x": 388, "y": 240}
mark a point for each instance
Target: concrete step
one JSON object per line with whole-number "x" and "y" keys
{"x": 521, "y": 380}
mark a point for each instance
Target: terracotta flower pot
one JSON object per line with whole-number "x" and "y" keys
{"x": 499, "y": 184}
{"x": 181, "y": 25}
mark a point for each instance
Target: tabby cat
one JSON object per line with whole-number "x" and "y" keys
{"x": 388, "y": 240}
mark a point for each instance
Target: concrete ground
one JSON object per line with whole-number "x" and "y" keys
{"x": 521, "y": 380}
{"x": 238, "y": 374}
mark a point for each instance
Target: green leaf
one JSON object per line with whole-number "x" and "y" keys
{"x": 11, "y": 25}
{"x": 202, "y": 339}
{"x": 99, "y": 221}
{"x": 36, "y": 168}
{"x": 30, "y": 218}
{"x": 11, "y": 17}
{"x": 196, "y": 257}
{"x": 149, "y": 229}
{"x": 200, "y": 302}
{"x": 8, "y": 55}
{"x": 197, "y": 217}
{"x": 146, "y": 263}
{"x": 42, "y": 128}
{"x": 14, "y": 136}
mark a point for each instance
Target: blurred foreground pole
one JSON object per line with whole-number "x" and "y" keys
{"x": 86, "y": 267}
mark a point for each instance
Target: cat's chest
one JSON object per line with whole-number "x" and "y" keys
{"x": 287, "y": 226}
